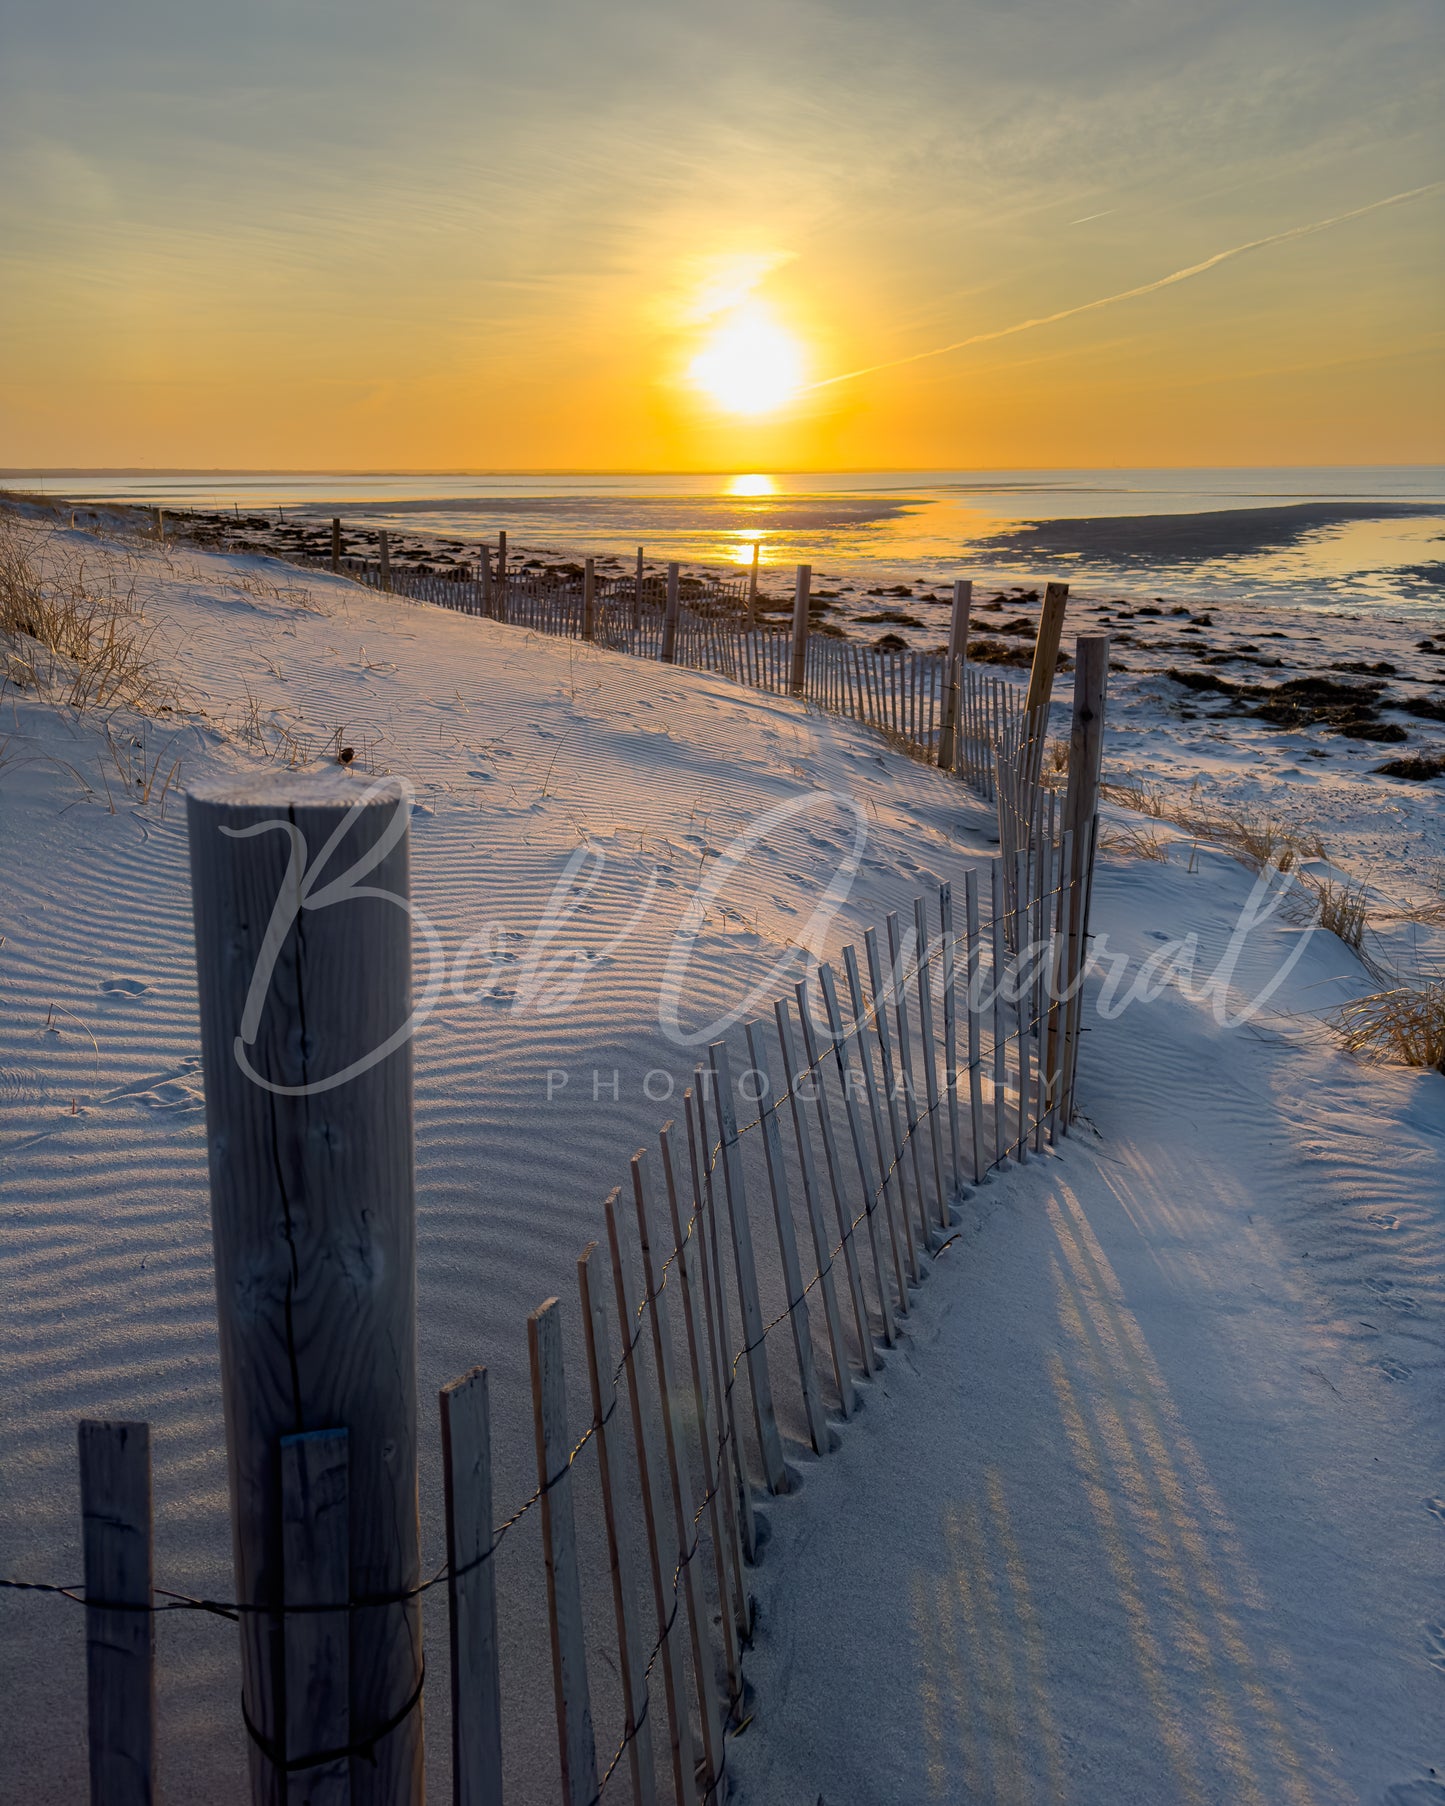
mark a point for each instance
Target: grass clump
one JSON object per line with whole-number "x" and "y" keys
{"x": 1404, "y": 1026}
{"x": 65, "y": 640}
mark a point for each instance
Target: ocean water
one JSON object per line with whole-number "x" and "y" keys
{"x": 1340, "y": 539}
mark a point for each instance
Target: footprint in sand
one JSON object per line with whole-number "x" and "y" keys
{"x": 124, "y": 987}
{"x": 1395, "y": 1370}
{"x": 1436, "y": 1508}
{"x": 1385, "y": 1222}
{"x": 170, "y": 1096}
{"x": 1435, "y": 1645}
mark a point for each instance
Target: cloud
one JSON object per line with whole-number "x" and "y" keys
{"x": 1144, "y": 288}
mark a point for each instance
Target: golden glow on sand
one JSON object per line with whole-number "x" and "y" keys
{"x": 751, "y": 364}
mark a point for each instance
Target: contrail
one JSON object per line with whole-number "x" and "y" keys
{"x": 1131, "y": 294}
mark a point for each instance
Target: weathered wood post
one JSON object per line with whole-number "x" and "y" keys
{"x": 753, "y": 585}
{"x": 336, "y": 545}
{"x": 1081, "y": 807}
{"x": 800, "y": 628}
{"x": 669, "y": 618}
{"x": 383, "y": 553}
{"x": 953, "y": 675}
{"x": 485, "y": 568}
{"x": 637, "y": 594}
{"x": 316, "y": 1551}
{"x": 303, "y": 950}
{"x": 160, "y": 523}
{"x": 1046, "y": 647}
{"x": 589, "y": 598}
{"x": 115, "y": 1513}
{"x": 502, "y": 564}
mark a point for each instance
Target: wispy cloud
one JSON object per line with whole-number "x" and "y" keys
{"x": 1133, "y": 294}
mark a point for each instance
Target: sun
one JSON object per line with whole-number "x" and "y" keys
{"x": 751, "y": 364}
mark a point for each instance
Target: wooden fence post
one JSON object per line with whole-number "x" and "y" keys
{"x": 471, "y": 1591}
{"x": 575, "y": 1743}
{"x": 383, "y": 558}
{"x": 953, "y": 674}
{"x": 589, "y": 598}
{"x": 115, "y": 1512}
{"x": 1081, "y": 808}
{"x": 314, "y": 1216}
{"x": 335, "y": 545}
{"x": 669, "y": 619}
{"x": 800, "y": 628}
{"x": 315, "y": 1552}
{"x": 637, "y": 593}
{"x": 160, "y": 523}
{"x": 484, "y": 569}
{"x": 1046, "y": 647}
{"x": 753, "y": 584}
{"x": 502, "y": 563}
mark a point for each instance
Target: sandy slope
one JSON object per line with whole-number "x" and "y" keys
{"x": 1152, "y": 1511}
{"x": 1248, "y": 1415}
{"x": 523, "y": 751}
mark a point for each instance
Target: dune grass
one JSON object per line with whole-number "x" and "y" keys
{"x": 66, "y": 639}
{"x": 1404, "y": 1026}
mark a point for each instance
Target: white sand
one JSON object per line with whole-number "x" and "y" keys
{"x": 1152, "y": 1509}
{"x": 1284, "y": 1470}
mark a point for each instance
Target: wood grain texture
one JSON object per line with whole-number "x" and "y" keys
{"x": 670, "y": 614}
{"x": 817, "y": 1046}
{"x": 722, "y": 1522}
{"x": 813, "y": 1204}
{"x": 770, "y": 1445}
{"x": 313, "y": 1209}
{"x": 471, "y": 1591}
{"x": 1046, "y": 647}
{"x": 315, "y": 1539}
{"x": 801, "y": 591}
{"x": 632, "y": 1646}
{"x": 679, "y": 1488}
{"x": 645, "y": 1442}
{"x": 798, "y": 1320}
{"x": 115, "y": 1511}
{"x": 575, "y": 1743}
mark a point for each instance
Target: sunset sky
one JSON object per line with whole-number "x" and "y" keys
{"x": 322, "y": 235}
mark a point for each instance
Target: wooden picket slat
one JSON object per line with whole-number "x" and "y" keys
{"x": 788, "y": 1245}
{"x": 896, "y": 986}
{"x": 929, "y": 1050}
{"x": 575, "y": 1745}
{"x": 770, "y": 1446}
{"x": 115, "y": 1514}
{"x": 718, "y": 1326}
{"x": 471, "y": 1591}
{"x": 895, "y": 1187}
{"x": 892, "y": 1302}
{"x": 813, "y": 1204}
{"x": 816, "y": 1049}
{"x": 686, "y": 1539}
{"x": 654, "y": 1511}
{"x": 621, "y": 1562}
{"x": 722, "y": 1520}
